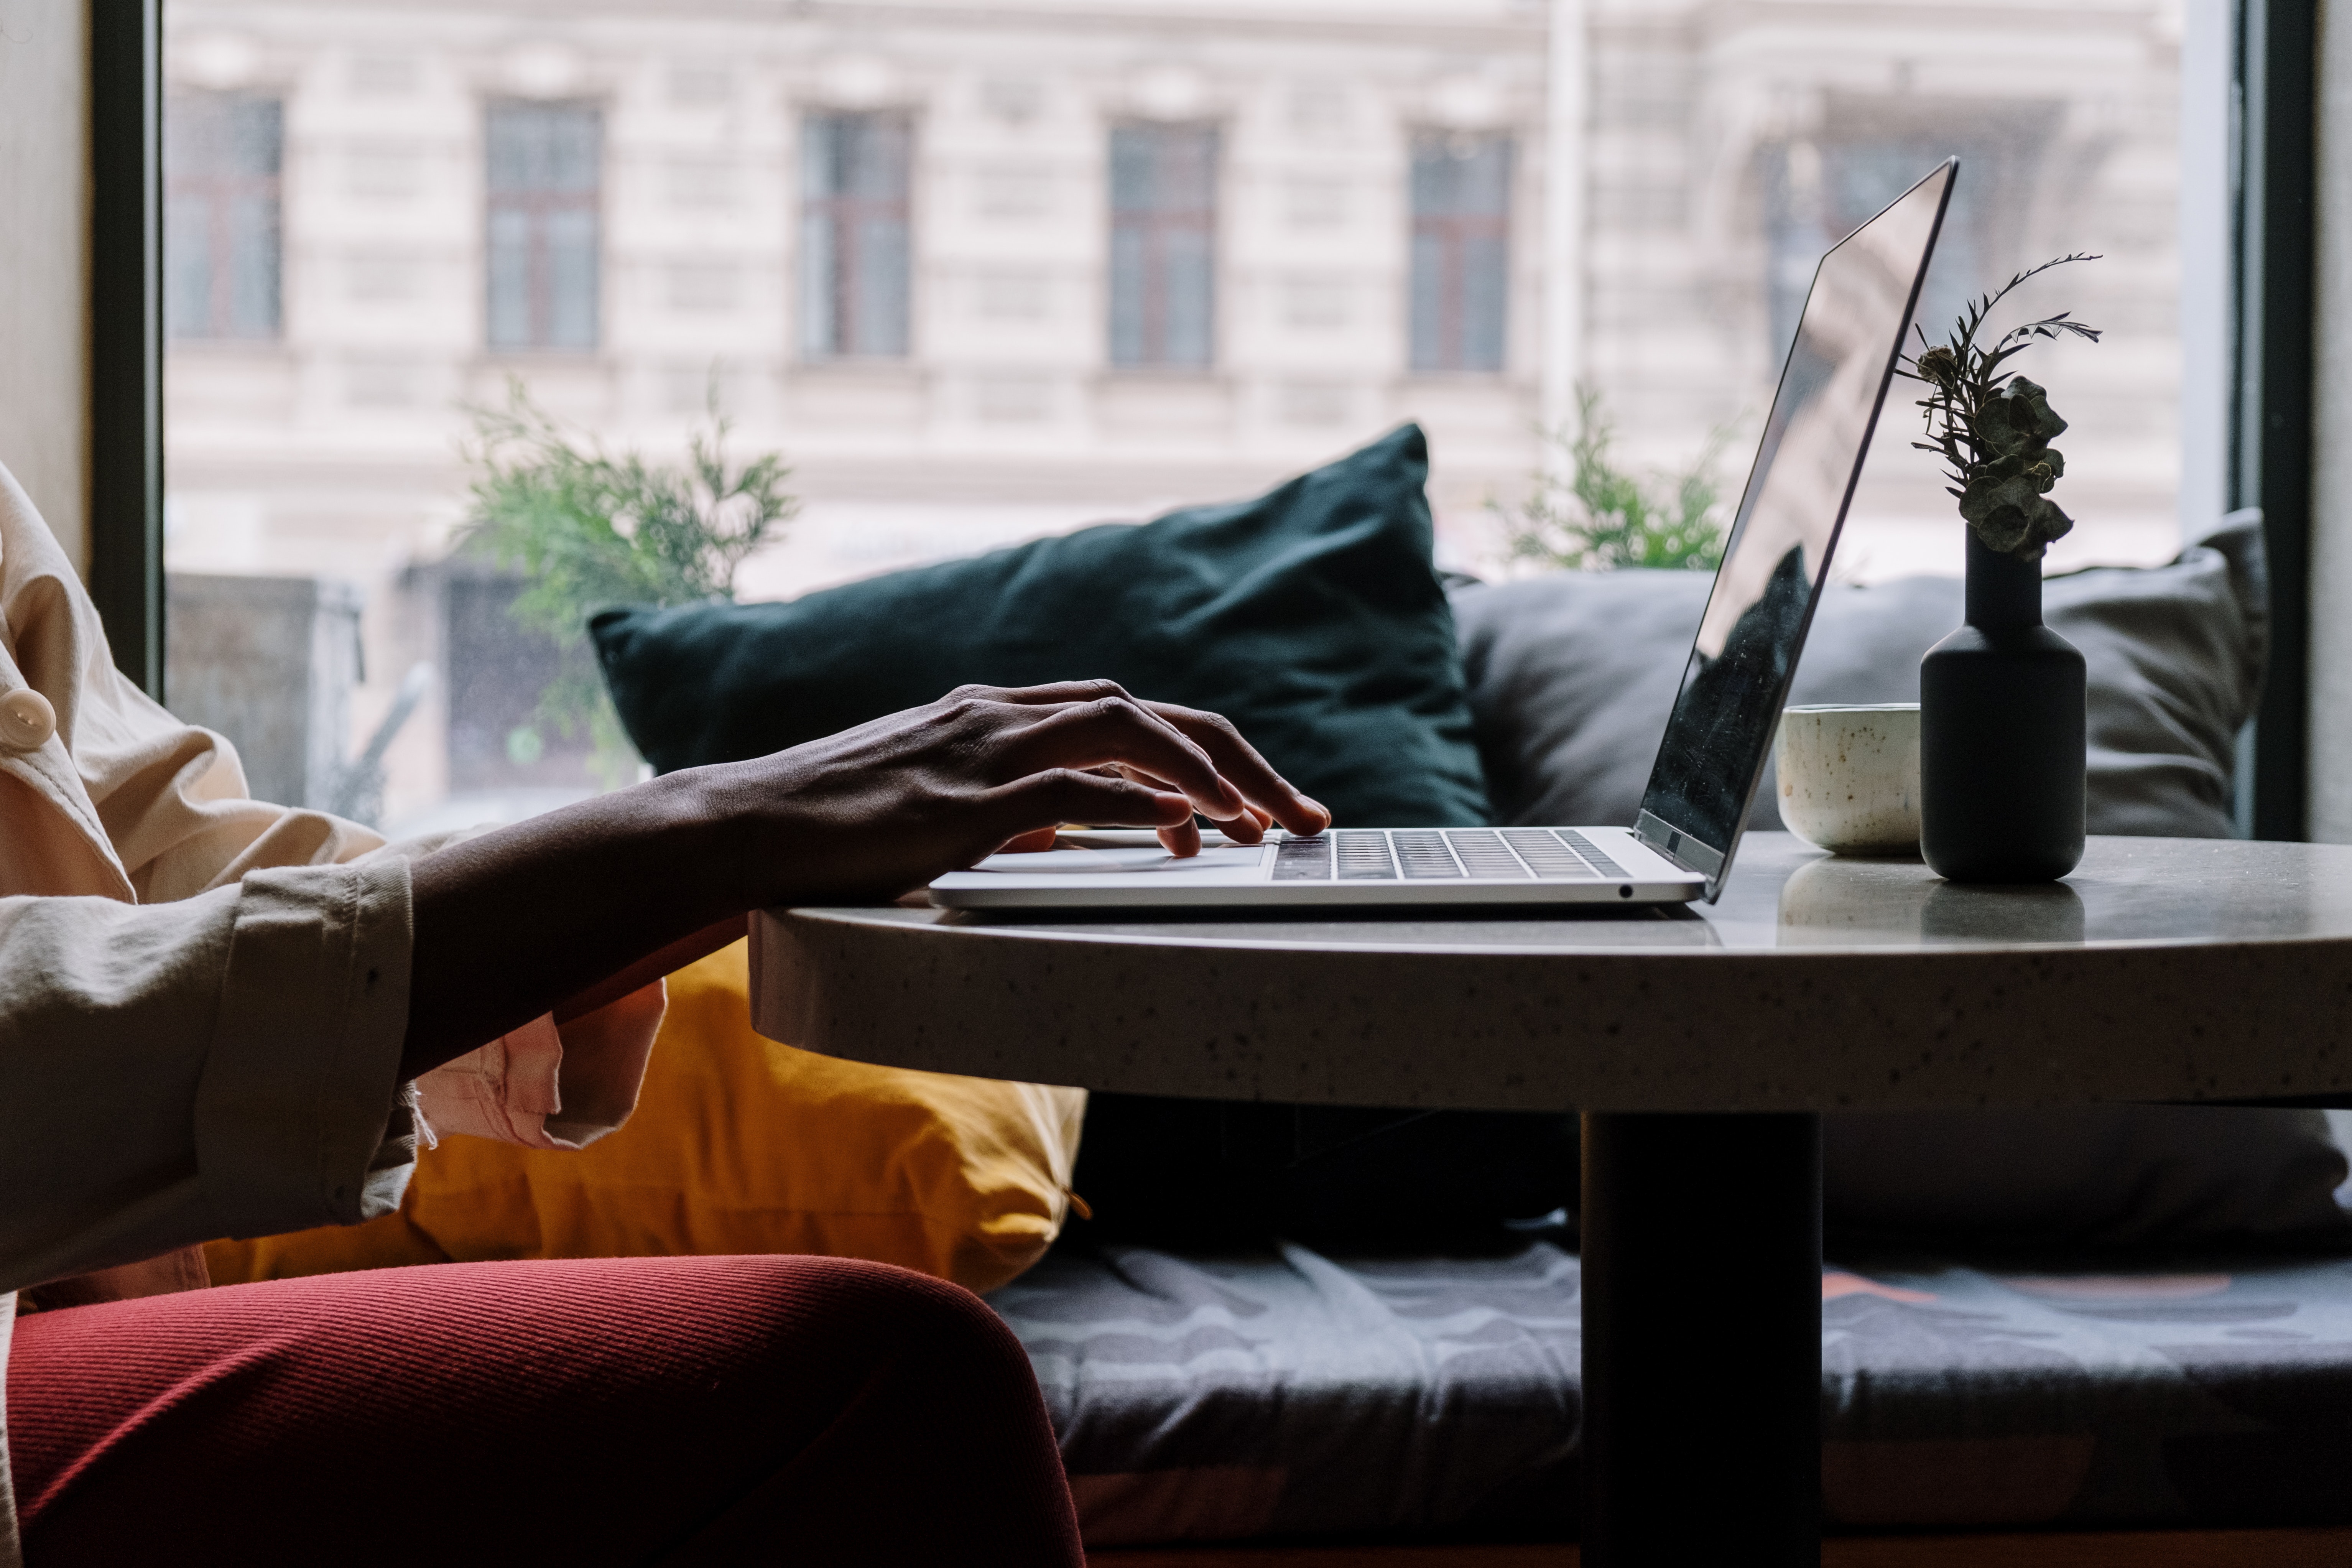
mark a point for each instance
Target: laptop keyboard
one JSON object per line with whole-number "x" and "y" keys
{"x": 1428, "y": 854}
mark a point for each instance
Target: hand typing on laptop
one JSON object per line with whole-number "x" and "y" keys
{"x": 988, "y": 769}
{"x": 1265, "y": 797}
{"x": 597, "y": 898}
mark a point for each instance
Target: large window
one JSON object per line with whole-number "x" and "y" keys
{"x": 544, "y": 167}
{"x": 1163, "y": 245}
{"x": 854, "y": 235}
{"x": 1461, "y": 250}
{"x": 1345, "y": 212}
{"x": 221, "y": 153}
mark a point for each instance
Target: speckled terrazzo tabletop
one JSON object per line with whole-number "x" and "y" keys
{"x": 2162, "y": 969}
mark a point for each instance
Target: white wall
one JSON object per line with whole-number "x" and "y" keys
{"x": 2330, "y": 764}
{"x": 44, "y": 260}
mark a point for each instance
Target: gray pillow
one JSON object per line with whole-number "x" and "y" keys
{"x": 1571, "y": 675}
{"x": 1570, "y": 679}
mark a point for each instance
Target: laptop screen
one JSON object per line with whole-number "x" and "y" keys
{"x": 1778, "y": 556}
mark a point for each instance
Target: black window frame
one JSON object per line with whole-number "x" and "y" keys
{"x": 126, "y": 333}
{"x": 2274, "y": 121}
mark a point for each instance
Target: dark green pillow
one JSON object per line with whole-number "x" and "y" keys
{"x": 1310, "y": 617}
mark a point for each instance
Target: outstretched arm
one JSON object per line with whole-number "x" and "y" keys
{"x": 569, "y": 909}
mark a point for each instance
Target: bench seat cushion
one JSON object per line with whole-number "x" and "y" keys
{"x": 1292, "y": 1393}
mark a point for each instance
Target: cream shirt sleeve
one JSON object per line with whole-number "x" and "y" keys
{"x": 228, "y": 1064}
{"x": 121, "y": 800}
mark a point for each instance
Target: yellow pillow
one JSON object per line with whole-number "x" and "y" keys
{"x": 740, "y": 1144}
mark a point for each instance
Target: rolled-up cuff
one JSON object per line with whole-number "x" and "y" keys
{"x": 300, "y": 1116}
{"x": 548, "y": 1086}
{"x": 504, "y": 1092}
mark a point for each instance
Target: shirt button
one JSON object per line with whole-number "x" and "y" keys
{"x": 26, "y": 720}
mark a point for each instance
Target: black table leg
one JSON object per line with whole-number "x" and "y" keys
{"x": 1702, "y": 1245}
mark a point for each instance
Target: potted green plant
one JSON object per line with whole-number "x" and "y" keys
{"x": 2002, "y": 720}
{"x": 587, "y": 530}
{"x": 1591, "y": 513}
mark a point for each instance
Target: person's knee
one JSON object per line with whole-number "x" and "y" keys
{"x": 942, "y": 1332}
{"x": 905, "y": 1427}
{"x": 852, "y": 1312}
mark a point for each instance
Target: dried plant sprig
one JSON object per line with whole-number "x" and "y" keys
{"x": 1992, "y": 426}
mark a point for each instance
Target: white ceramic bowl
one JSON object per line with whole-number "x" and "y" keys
{"x": 1849, "y": 777}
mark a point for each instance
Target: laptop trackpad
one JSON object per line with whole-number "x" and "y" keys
{"x": 1121, "y": 862}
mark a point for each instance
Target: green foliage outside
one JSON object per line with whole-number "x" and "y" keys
{"x": 587, "y": 531}
{"x": 1591, "y": 514}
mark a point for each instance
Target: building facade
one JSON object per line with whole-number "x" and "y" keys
{"x": 986, "y": 271}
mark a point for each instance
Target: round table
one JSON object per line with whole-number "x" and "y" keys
{"x": 2161, "y": 969}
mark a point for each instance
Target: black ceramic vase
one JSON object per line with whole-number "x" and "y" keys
{"x": 2001, "y": 734}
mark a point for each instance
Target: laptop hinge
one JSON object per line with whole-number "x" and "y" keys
{"x": 1679, "y": 847}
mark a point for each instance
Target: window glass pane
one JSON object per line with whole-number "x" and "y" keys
{"x": 222, "y": 153}
{"x": 1188, "y": 279}
{"x": 1163, "y": 245}
{"x": 376, "y": 212}
{"x": 1486, "y": 290}
{"x": 820, "y": 271}
{"x": 880, "y": 287}
{"x": 1129, "y": 246}
{"x": 1427, "y": 300}
{"x": 508, "y": 275}
{"x": 1461, "y": 260}
{"x": 878, "y": 170}
{"x": 188, "y": 264}
{"x": 542, "y": 149}
{"x": 541, "y": 167}
{"x": 853, "y": 272}
{"x": 1134, "y": 167}
{"x": 823, "y": 153}
{"x": 253, "y": 250}
{"x": 570, "y": 244}
{"x": 497, "y": 671}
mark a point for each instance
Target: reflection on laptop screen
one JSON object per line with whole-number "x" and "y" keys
{"x": 1778, "y": 554}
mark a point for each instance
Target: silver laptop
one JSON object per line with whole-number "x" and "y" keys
{"x": 1864, "y": 295}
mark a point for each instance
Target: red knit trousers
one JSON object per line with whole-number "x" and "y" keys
{"x": 675, "y": 1410}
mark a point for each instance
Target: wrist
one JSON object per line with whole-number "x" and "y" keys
{"x": 680, "y": 839}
